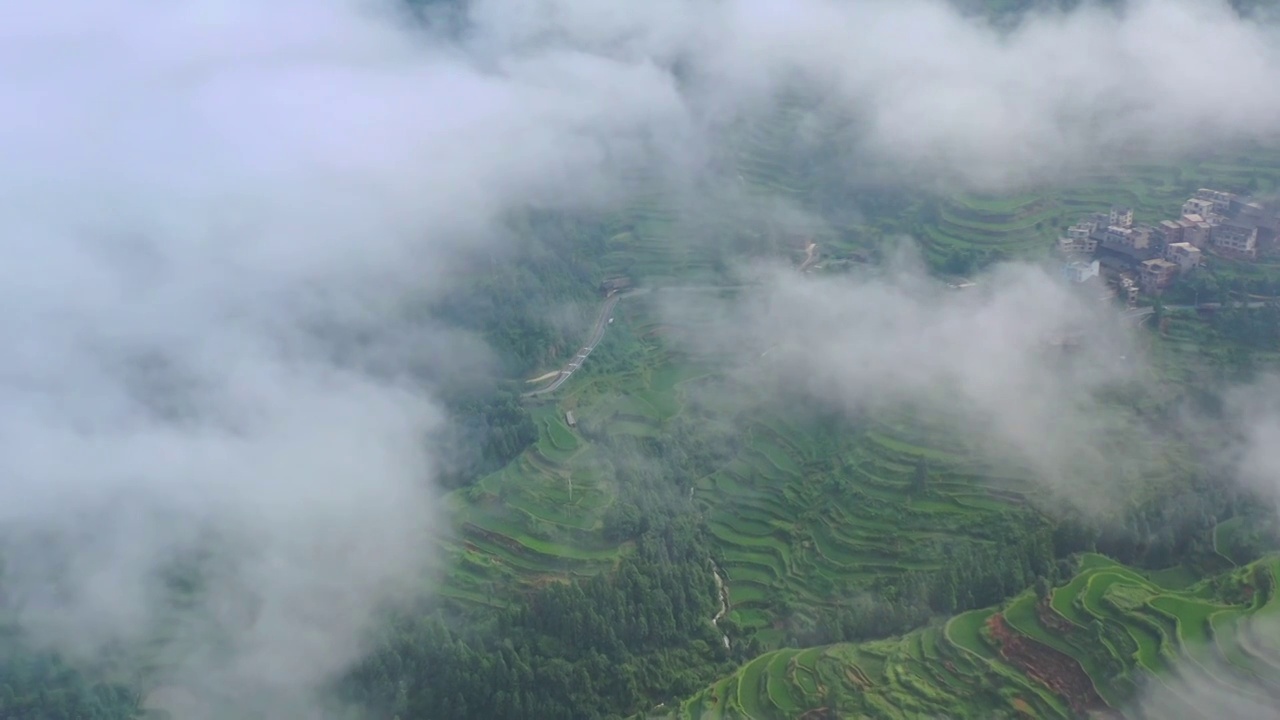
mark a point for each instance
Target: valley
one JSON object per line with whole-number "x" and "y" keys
{"x": 758, "y": 360}
{"x": 828, "y": 530}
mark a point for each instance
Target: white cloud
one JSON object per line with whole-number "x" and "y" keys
{"x": 187, "y": 190}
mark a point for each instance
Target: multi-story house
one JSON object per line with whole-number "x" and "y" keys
{"x": 1186, "y": 255}
{"x": 1198, "y": 206}
{"x": 1156, "y": 274}
{"x": 1221, "y": 200}
{"x": 1236, "y": 237}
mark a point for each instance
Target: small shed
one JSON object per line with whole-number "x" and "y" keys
{"x": 570, "y": 420}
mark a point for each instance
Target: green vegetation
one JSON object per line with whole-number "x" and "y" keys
{"x": 811, "y": 514}
{"x": 36, "y": 684}
{"x": 576, "y": 649}
{"x": 1097, "y": 642}
{"x": 584, "y": 565}
{"x": 810, "y": 517}
{"x": 563, "y": 506}
{"x": 827, "y": 530}
{"x": 580, "y": 581}
{"x": 961, "y": 232}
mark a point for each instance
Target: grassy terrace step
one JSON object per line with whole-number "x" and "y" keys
{"x": 960, "y": 670}
{"x": 1027, "y": 224}
{"x": 803, "y": 516}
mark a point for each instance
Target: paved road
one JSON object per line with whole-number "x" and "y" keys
{"x": 597, "y": 333}
{"x": 1139, "y": 313}
{"x": 1219, "y": 306}
{"x": 602, "y": 321}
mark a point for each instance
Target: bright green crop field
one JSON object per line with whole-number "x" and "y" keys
{"x": 1096, "y": 644}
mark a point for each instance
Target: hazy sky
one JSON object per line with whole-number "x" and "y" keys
{"x": 188, "y": 190}
{"x": 917, "y": 87}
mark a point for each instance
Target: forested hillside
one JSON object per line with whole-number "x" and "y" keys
{"x": 38, "y": 684}
{"x": 582, "y": 570}
{"x": 699, "y": 523}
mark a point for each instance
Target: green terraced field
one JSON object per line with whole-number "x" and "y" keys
{"x": 1026, "y": 225}
{"x": 805, "y": 516}
{"x": 541, "y": 515}
{"x": 997, "y": 663}
{"x": 802, "y": 516}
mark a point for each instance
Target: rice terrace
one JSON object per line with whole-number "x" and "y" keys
{"x": 806, "y": 517}
{"x": 1089, "y": 645}
{"x": 768, "y": 360}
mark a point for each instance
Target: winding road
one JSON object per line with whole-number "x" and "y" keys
{"x": 602, "y": 321}
{"x": 597, "y": 333}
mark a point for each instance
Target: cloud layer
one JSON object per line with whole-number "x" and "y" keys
{"x": 1021, "y": 366}
{"x": 196, "y": 200}
{"x": 199, "y": 203}
{"x": 923, "y": 91}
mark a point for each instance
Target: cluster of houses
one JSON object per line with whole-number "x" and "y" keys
{"x": 1148, "y": 258}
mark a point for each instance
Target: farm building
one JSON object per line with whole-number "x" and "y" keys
{"x": 570, "y": 420}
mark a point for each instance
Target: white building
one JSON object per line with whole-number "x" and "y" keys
{"x": 1120, "y": 235}
{"x": 1081, "y": 230}
{"x": 1080, "y": 271}
{"x": 1221, "y": 200}
{"x": 1198, "y": 206}
{"x": 1077, "y": 245}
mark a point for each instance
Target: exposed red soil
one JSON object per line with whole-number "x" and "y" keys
{"x": 542, "y": 581}
{"x": 1052, "y": 620}
{"x": 1056, "y": 671}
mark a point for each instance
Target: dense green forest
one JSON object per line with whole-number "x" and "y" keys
{"x": 583, "y": 648}
{"x": 532, "y": 305}
{"x": 39, "y": 684}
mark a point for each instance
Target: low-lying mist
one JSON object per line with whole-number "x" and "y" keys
{"x": 215, "y": 440}
{"x": 922, "y": 92}
{"x": 1023, "y": 365}
{"x": 215, "y": 428}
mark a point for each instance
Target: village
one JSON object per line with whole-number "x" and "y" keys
{"x": 1123, "y": 258}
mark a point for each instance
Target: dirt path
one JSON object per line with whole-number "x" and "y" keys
{"x": 722, "y": 589}
{"x": 544, "y": 378}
